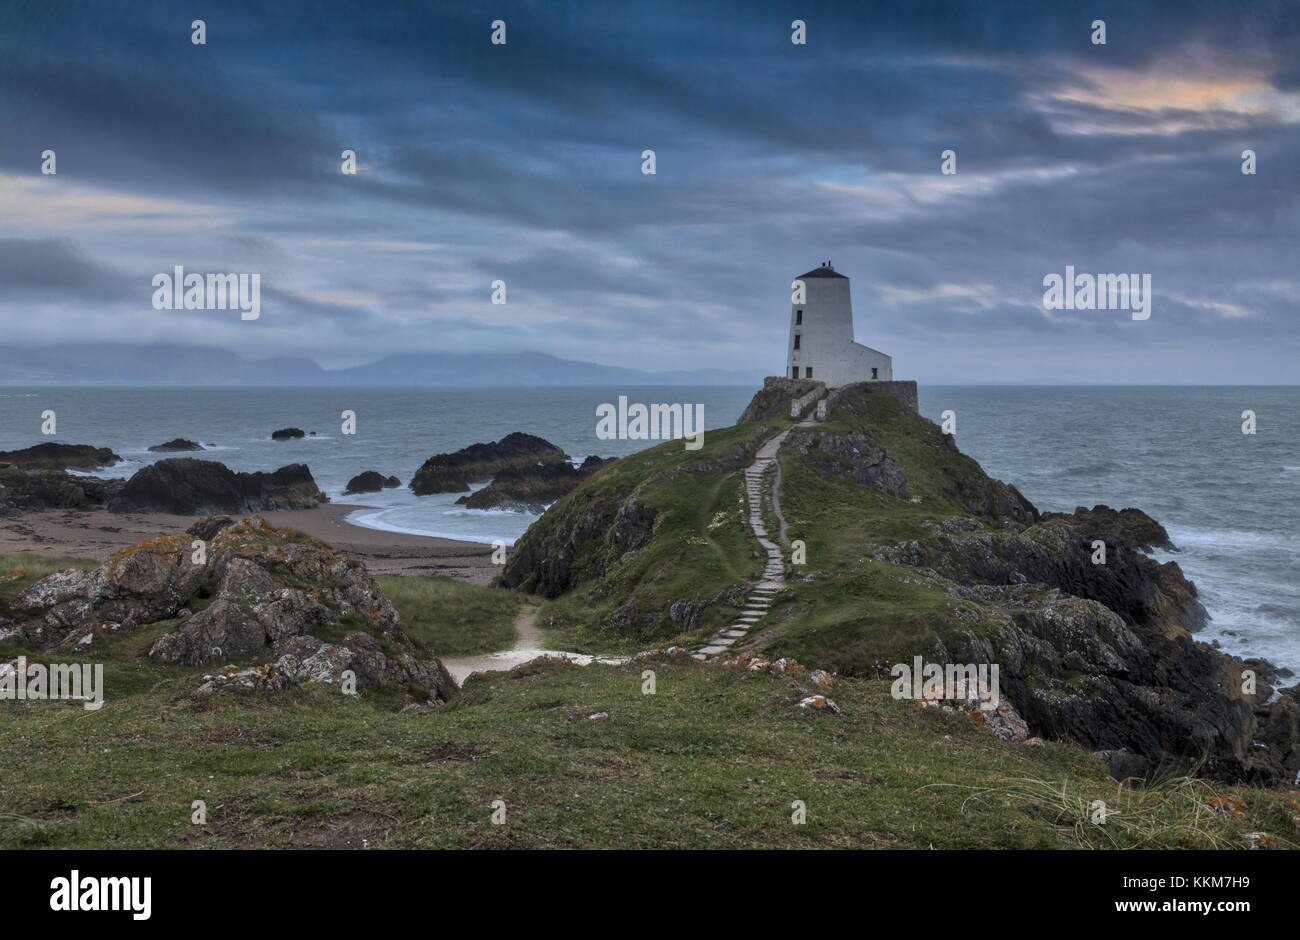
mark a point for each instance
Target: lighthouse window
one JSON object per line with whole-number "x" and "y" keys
{"x": 798, "y": 318}
{"x": 796, "y": 341}
{"x": 795, "y": 370}
{"x": 807, "y": 372}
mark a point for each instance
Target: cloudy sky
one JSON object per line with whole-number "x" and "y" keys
{"x": 522, "y": 162}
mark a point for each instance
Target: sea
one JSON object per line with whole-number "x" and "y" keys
{"x": 1230, "y": 500}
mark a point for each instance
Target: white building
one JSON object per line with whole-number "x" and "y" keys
{"x": 821, "y": 335}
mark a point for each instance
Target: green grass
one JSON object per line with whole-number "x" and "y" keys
{"x": 30, "y": 567}
{"x": 454, "y": 618}
{"x": 714, "y": 759}
{"x": 702, "y": 545}
{"x": 860, "y": 622}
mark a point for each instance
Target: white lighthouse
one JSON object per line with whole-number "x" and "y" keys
{"x": 821, "y": 343}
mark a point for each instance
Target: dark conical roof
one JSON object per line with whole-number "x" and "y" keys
{"x": 824, "y": 271}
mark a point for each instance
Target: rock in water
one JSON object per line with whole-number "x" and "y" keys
{"x": 532, "y": 489}
{"x": 175, "y": 445}
{"x": 371, "y": 481}
{"x": 285, "y": 434}
{"x": 186, "y": 486}
{"x": 268, "y": 591}
{"x": 453, "y": 473}
{"x": 525, "y": 489}
{"x": 60, "y": 457}
{"x": 1130, "y": 528}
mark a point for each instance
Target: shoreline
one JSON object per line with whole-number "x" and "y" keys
{"x": 97, "y": 533}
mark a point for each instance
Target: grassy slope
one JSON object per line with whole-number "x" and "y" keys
{"x": 714, "y": 759}
{"x": 453, "y": 618}
{"x": 701, "y": 545}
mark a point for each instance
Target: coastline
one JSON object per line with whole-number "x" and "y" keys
{"x": 97, "y": 533}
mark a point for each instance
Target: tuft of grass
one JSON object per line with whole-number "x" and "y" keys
{"x": 30, "y": 567}
{"x": 453, "y": 618}
{"x": 1178, "y": 812}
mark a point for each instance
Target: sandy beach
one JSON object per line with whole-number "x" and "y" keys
{"x": 98, "y": 533}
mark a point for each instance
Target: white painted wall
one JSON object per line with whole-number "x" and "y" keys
{"x": 826, "y": 338}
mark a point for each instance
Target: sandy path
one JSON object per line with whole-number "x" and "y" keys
{"x": 528, "y": 643}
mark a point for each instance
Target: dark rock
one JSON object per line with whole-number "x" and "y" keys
{"x": 849, "y": 456}
{"x": 371, "y": 481}
{"x": 186, "y": 486}
{"x": 176, "y": 444}
{"x": 35, "y": 490}
{"x": 525, "y": 489}
{"x": 60, "y": 457}
{"x": 633, "y": 526}
{"x": 1101, "y": 653}
{"x": 594, "y": 463}
{"x": 285, "y": 434}
{"x": 774, "y": 399}
{"x": 1058, "y": 554}
{"x": 453, "y": 473}
{"x": 1130, "y": 528}
{"x": 1123, "y": 764}
{"x": 207, "y": 527}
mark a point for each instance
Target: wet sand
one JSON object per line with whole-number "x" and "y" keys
{"x": 98, "y": 533}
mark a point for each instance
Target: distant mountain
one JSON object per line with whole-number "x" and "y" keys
{"x": 147, "y": 364}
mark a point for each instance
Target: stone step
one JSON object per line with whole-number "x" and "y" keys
{"x": 736, "y": 633}
{"x": 715, "y": 648}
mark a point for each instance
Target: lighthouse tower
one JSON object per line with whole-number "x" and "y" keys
{"x": 821, "y": 343}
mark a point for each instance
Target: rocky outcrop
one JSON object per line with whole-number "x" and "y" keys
{"x": 258, "y": 590}
{"x": 59, "y": 457}
{"x": 36, "y": 490}
{"x": 287, "y": 434}
{"x": 1131, "y": 528}
{"x": 882, "y": 421}
{"x": 185, "y": 486}
{"x": 1060, "y": 554}
{"x": 454, "y": 472}
{"x": 849, "y": 456}
{"x": 148, "y": 582}
{"x": 176, "y": 445}
{"x": 207, "y": 527}
{"x": 773, "y": 400}
{"x": 370, "y": 481}
{"x": 1102, "y": 653}
{"x": 531, "y": 489}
